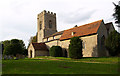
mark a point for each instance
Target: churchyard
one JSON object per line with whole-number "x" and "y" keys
{"x": 60, "y": 65}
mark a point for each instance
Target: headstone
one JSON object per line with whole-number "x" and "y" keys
{"x": 17, "y": 56}
{"x": 5, "y": 57}
{"x": 23, "y": 56}
{"x": 20, "y": 56}
{"x": 11, "y": 57}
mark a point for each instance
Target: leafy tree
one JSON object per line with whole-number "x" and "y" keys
{"x": 14, "y": 47}
{"x": 117, "y": 13}
{"x": 75, "y": 48}
{"x": 25, "y": 52}
{"x": 8, "y": 50}
{"x": 5, "y": 43}
{"x": 56, "y": 51}
{"x": 112, "y": 43}
{"x": 34, "y": 39}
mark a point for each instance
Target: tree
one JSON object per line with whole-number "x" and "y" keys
{"x": 56, "y": 51}
{"x": 75, "y": 48}
{"x": 13, "y": 47}
{"x": 112, "y": 43}
{"x": 5, "y": 43}
{"x": 33, "y": 39}
{"x": 116, "y": 14}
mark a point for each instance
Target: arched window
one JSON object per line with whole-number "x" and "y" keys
{"x": 40, "y": 25}
{"x": 50, "y": 24}
{"x": 103, "y": 40}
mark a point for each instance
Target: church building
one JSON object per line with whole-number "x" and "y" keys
{"x": 93, "y": 36}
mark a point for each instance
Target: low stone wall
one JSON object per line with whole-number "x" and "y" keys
{"x": 41, "y": 53}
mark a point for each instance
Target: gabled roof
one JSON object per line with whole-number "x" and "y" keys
{"x": 39, "y": 46}
{"x": 83, "y": 30}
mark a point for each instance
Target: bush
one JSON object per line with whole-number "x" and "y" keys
{"x": 56, "y": 51}
{"x": 112, "y": 43}
{"x": 75, "y": 48}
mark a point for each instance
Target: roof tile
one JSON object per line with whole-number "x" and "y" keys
{"x": 83, "y": 30}
{"x": 39, "y": 46}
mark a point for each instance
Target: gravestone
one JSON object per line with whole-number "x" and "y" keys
{"x": 20, "y": 56}
{"x": 8, "y": 56}
{"x": 5, "y": 57}
{"x": 17, "y": 56}
{"x": 11, "y": 57}
{"x": 23, "y": 56}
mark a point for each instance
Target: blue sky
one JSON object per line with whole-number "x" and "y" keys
{"x": 18, "y": 18}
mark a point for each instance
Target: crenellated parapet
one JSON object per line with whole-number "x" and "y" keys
{"x": 46, "y": 12}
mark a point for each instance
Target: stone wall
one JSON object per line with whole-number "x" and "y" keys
{"x": 30, "y": 48}
{"x": 41, "y": 53}
{"x": 52, "y": 43}
{"x": 90, "y": 46}
{"x": 102, "y": 31}
{"x": 90, "y": 42}
{"x": 57, "y": 37}
{"x": 51, "y": 38}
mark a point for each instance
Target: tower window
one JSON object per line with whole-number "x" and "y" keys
{"x": 50, "y": 24}
{"x": 40, "y": 25}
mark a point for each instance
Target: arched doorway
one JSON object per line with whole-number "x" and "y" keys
{"x": 64, "y": 52}
{"x": 30, "y": 53}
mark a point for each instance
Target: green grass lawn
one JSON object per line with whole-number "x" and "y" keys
{"x": 61, "y": 65}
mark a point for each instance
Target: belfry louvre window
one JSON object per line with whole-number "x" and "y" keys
{"x": 50, "y": 24}
{"x": 40, "y": 25}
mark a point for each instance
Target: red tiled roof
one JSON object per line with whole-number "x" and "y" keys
{"x": 39, "y": 46}
{"x": 83, "y": 30}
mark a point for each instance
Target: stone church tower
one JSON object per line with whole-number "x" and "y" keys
{"x": 46, "y": 25}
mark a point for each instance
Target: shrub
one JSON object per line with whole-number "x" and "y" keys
{"x": 56, "y": 51}
{"x": 75, "y": 48}
{"x": 112, "y": 43}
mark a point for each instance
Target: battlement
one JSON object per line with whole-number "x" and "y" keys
{"x": 47, "y": 12}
